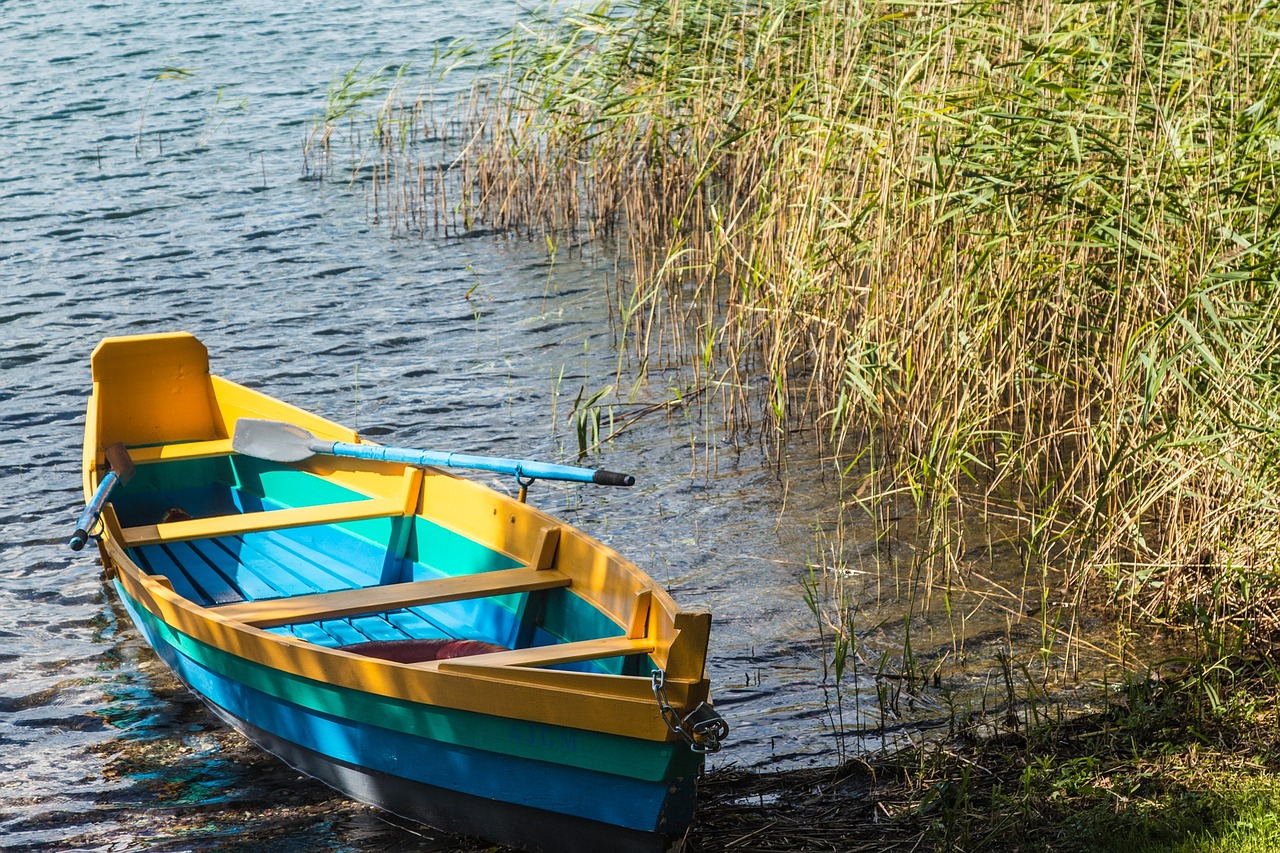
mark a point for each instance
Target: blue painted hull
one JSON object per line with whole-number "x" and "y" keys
{"x": 535, "y": 805}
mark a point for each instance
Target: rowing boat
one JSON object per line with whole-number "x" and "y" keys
{"x": 417, "y": 640}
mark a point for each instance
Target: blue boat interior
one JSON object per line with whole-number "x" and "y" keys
{"x": 341, "y": 556}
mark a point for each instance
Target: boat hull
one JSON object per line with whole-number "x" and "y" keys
{"x": 454, "y": 787}
{"x": 275, "y": 590}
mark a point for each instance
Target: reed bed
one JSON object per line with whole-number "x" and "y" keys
{"x": 1018, "y": 261}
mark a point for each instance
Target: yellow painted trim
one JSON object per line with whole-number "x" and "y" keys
{"x": 412, "y": 489}
{"x": 182, "y": 450}
{"x": 250, "y": 522}
{"x": 545, "y": 551}
{"x": 90, "y": 452}
{"x": 234, "y": 401}
{"x": 337, "y": 605}
{"x": 687, "y": 654}
{"x": 639, "y": 626}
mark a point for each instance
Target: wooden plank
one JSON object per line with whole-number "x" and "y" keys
{"x": 181, "y": 450}
{"x": 336, "y": 605}
{"x": 377, "y": 628}
{"x": 156, "y": 561}
{"x": 249, "y": 522}
{"x": 209, "y": 556}
{"x": 607, "y": 647}
{"x": 414, "y": 624}
{"x": 310, "y": 632}
{"x": 218, "y": 585}
{"x": 342, "y": 632}
{"x": 296, "y": 569}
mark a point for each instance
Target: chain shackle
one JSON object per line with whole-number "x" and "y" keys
{"x": 702, "y": 729}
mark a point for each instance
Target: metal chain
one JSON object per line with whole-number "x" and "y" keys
{"x": 702, "y": 729}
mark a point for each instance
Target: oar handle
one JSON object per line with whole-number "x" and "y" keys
{"x": 89, "y": 517}
{"x": 612, "y": 478}
{"x": 520, "y": 467}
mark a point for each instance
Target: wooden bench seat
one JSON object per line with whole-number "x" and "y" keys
{"x": 272, "y": 613}
{"x": 251, "y": 522}
{"x": 180, "y": 450}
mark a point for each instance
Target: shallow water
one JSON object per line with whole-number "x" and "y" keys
{"x": 132, "y": 204}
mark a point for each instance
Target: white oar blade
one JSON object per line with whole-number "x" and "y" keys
{"x": 273, "y": 440}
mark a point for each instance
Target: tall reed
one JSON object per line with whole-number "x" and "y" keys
{"x": 1018, "y": 260}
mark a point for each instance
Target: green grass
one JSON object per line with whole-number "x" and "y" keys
{"x": 1158, "y": 769}
{"x": 1248, "y": 820}
{"x": 1135, "y": 807}
{"x": 1219, "y": 812}
{"x": 1161, "y": 769}
{"x": 1242, "y": 816}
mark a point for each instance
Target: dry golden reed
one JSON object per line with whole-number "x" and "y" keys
{"x": 1018, "y": 260}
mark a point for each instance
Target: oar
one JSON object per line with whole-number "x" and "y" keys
{"x": 121, "y": 472}
{"x": 282, "y": 442}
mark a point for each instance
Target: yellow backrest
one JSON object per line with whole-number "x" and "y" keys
{"x": 153, "y": 388}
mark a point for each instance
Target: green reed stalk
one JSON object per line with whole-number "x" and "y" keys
{"x": 1028, "y": 252}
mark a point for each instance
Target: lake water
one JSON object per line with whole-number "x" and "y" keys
{"x": 137, "y": 199}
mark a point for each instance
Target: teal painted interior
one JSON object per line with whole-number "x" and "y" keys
{"x": 568, "y": 618}
{"x": 286, "y": 486}
{"x": 155, "y": 489}
{"x": 565, "y": 618}
{"x": 437, "y": 552}
{"x": 349, "y": 555}
{"x": 222, "y": 485}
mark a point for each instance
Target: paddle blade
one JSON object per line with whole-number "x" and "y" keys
{"x": 272, "y": 440}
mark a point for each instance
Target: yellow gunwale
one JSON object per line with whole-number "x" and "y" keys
{"x": 149, "y": 454}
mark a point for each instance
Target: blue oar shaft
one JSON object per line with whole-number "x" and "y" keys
{"x": 285, "y": 442}
{"x": 89, "y": 517}
{"x": 521, "y": 467}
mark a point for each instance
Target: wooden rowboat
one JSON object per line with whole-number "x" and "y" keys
{"x": 414, "y": 639}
